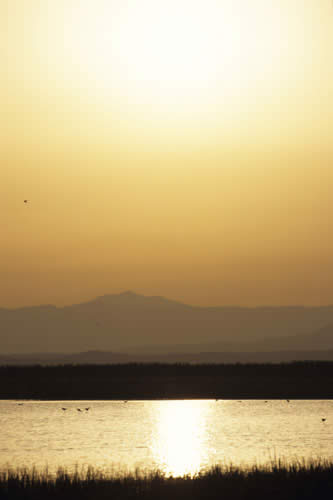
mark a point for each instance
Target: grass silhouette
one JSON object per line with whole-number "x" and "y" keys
{"x": 276, "y": 480}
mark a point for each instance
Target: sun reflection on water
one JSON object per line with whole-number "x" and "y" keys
{"x": 180, "y": 443}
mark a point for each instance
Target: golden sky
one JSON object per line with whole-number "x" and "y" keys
{"x": 179, "y": 148}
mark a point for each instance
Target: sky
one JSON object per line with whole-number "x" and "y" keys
{"x": 177, "y": 148}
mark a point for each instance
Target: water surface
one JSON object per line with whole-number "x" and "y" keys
{"x": 176, "y": 437}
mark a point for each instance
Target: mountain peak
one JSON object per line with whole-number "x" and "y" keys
{"x": 132, "y": 299}
{"x": 129, "y": 293}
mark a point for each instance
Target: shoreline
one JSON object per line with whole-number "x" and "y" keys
{"x": 154, "y": 381}
{"x": 142, "y": 400}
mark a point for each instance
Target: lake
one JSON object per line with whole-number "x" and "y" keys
{"x": 177, "y": 437}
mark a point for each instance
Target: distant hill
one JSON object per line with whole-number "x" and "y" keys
{"x": 105, "y": 358}
{"x": 321, "y": 339}
{"x": 137, "y": 324}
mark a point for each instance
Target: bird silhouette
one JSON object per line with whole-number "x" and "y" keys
{"x": 25, "y": 201}
{"x": 64, "y": 409}
{"x": 78, "y": 409}
{"x": 323, "y": 419}
{"x": 87, "y": 408}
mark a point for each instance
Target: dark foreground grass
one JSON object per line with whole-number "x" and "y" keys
{"x": 273, "y": 481}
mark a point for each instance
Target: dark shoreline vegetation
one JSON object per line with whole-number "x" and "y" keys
{"x": 298, "y": 380}
{"x": 298, "y": 480}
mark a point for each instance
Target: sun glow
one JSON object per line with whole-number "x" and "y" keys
{"x": 175, "y": 56}
{"x": 156, "y": 73}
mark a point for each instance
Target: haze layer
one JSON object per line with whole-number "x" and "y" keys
{"x": 176, "y": 148}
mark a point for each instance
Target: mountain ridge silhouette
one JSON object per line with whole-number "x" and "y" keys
{"x": 131, "y": 322}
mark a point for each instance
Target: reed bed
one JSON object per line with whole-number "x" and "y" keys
{"x": 275, "y": 480}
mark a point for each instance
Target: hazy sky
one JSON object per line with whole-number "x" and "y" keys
{"x": 180, "y": 148}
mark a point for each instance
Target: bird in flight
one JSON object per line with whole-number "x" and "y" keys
{"x": 25, "y": 201}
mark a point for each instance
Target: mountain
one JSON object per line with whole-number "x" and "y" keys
{"x": 134, "y": 323}
{"x": 320, "y": 339}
